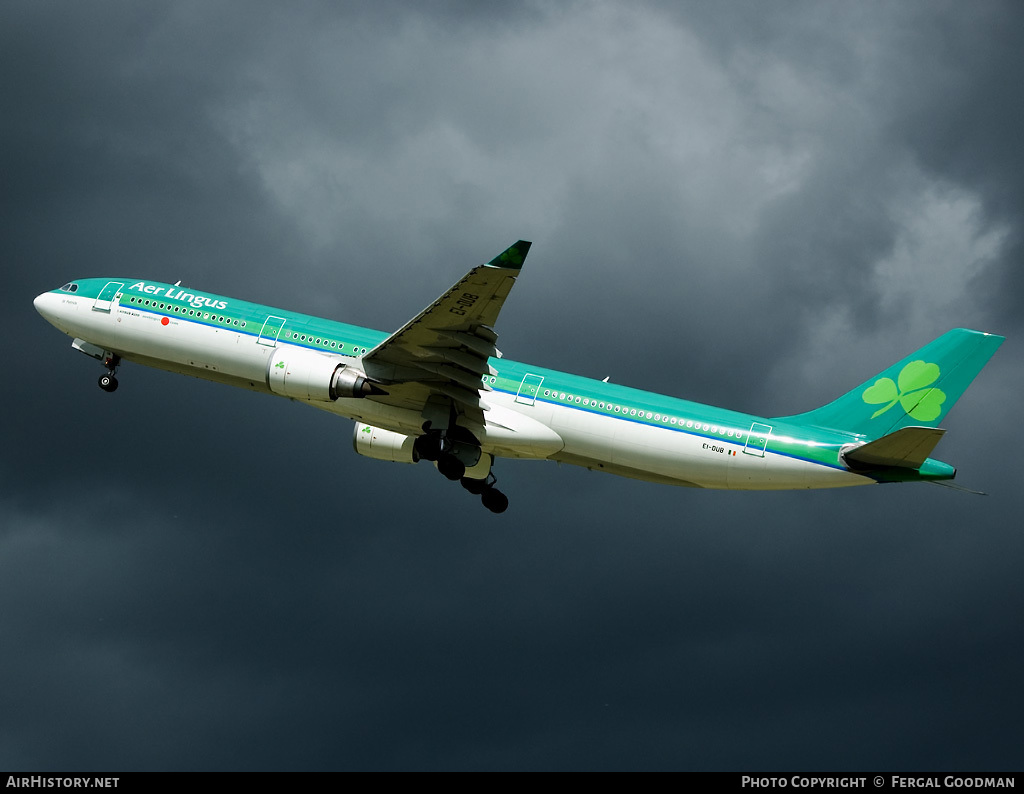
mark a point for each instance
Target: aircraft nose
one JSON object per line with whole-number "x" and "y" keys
{"x": 45, "y": 306}
{"x": 40, "y": 303}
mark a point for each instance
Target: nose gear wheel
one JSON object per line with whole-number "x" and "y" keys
{"x": 107, "y": 381}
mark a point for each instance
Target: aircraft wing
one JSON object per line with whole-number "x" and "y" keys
{"x": 443, "y": 350}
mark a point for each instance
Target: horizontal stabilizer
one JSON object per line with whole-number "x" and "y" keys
{"x": 906, "y": 448}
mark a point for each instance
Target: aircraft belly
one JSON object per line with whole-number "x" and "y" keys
{"x": 373, "y": 412}
{"x": 180, "y": 345}
{"x": 96, "y": 327}
{"x": 669, "y": 453}
{"x": 514, "y": 430}
{"x": 508, "y": 433}
{"x": 661, "y": 453}
{"x": 584, "y": 435}
{"x": 781, "y": 472}
{"x": 205, "y": 347}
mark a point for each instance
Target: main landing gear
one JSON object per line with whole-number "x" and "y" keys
{"x": 107, "y": 380}
{"x": 493, "y": 499}
{"x": 447, "y": 454}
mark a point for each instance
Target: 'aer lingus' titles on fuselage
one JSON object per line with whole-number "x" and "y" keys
{"x": 178, "y": 295}
{"x": 438, "y": 389}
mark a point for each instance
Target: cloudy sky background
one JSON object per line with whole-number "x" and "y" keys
{"x": 755, "y": 205}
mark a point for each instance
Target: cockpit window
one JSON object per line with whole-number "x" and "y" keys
{"x": 70, "y": 287}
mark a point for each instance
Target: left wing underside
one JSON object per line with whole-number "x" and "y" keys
{"x": 442, "y": 352}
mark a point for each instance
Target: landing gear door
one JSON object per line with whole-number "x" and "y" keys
{"x": 271, "y": 330}
{"x": 106, "y": 296}
{"x": 528, "y": 389}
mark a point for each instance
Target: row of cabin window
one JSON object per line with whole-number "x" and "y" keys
{"x": 322, "y": 341}
{"x": 242, "y": 324}
{"x": 219, "y": 318}
{"x": 664, "y": 418}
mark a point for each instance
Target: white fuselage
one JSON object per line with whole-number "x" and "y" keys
{"x": 682, "y": 450}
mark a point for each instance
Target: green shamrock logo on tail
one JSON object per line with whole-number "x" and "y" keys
{"x": 914, "y": 378}
{"x": 511, "y": 258}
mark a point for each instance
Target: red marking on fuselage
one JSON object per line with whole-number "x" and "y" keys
{"x": 164, "y": 321}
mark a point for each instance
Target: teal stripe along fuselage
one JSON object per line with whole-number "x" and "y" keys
{"x": 599, "y": 425}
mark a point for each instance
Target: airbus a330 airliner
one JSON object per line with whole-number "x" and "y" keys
{"x": 437, "y": 389}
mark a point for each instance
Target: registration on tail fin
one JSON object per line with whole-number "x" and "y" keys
{"x": 916, "y": 392}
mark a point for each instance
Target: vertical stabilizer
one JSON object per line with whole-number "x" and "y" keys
{"x": 917, "y": 391}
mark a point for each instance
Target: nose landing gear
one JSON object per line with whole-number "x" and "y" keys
{"x": 107, "y": 380}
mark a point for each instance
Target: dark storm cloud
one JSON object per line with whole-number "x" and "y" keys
{"x": 941, "y": 90}
{"x": 753, "y": 205}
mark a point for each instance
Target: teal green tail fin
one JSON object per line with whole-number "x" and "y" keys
{"x": 917, "y": 391}
{"x": 513, "y": 256}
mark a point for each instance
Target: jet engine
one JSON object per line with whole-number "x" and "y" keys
{"x": 309, "y": 375}
{"x": 374, "y": 442}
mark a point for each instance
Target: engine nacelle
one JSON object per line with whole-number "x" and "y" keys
{"x": 309, "y": 375}
{"x": 379, "y": 444}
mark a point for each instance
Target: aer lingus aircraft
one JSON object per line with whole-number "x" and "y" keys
{"x": 437, "y": 389}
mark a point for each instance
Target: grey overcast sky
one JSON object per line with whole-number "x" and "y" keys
{"x": 756, "y": 205}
